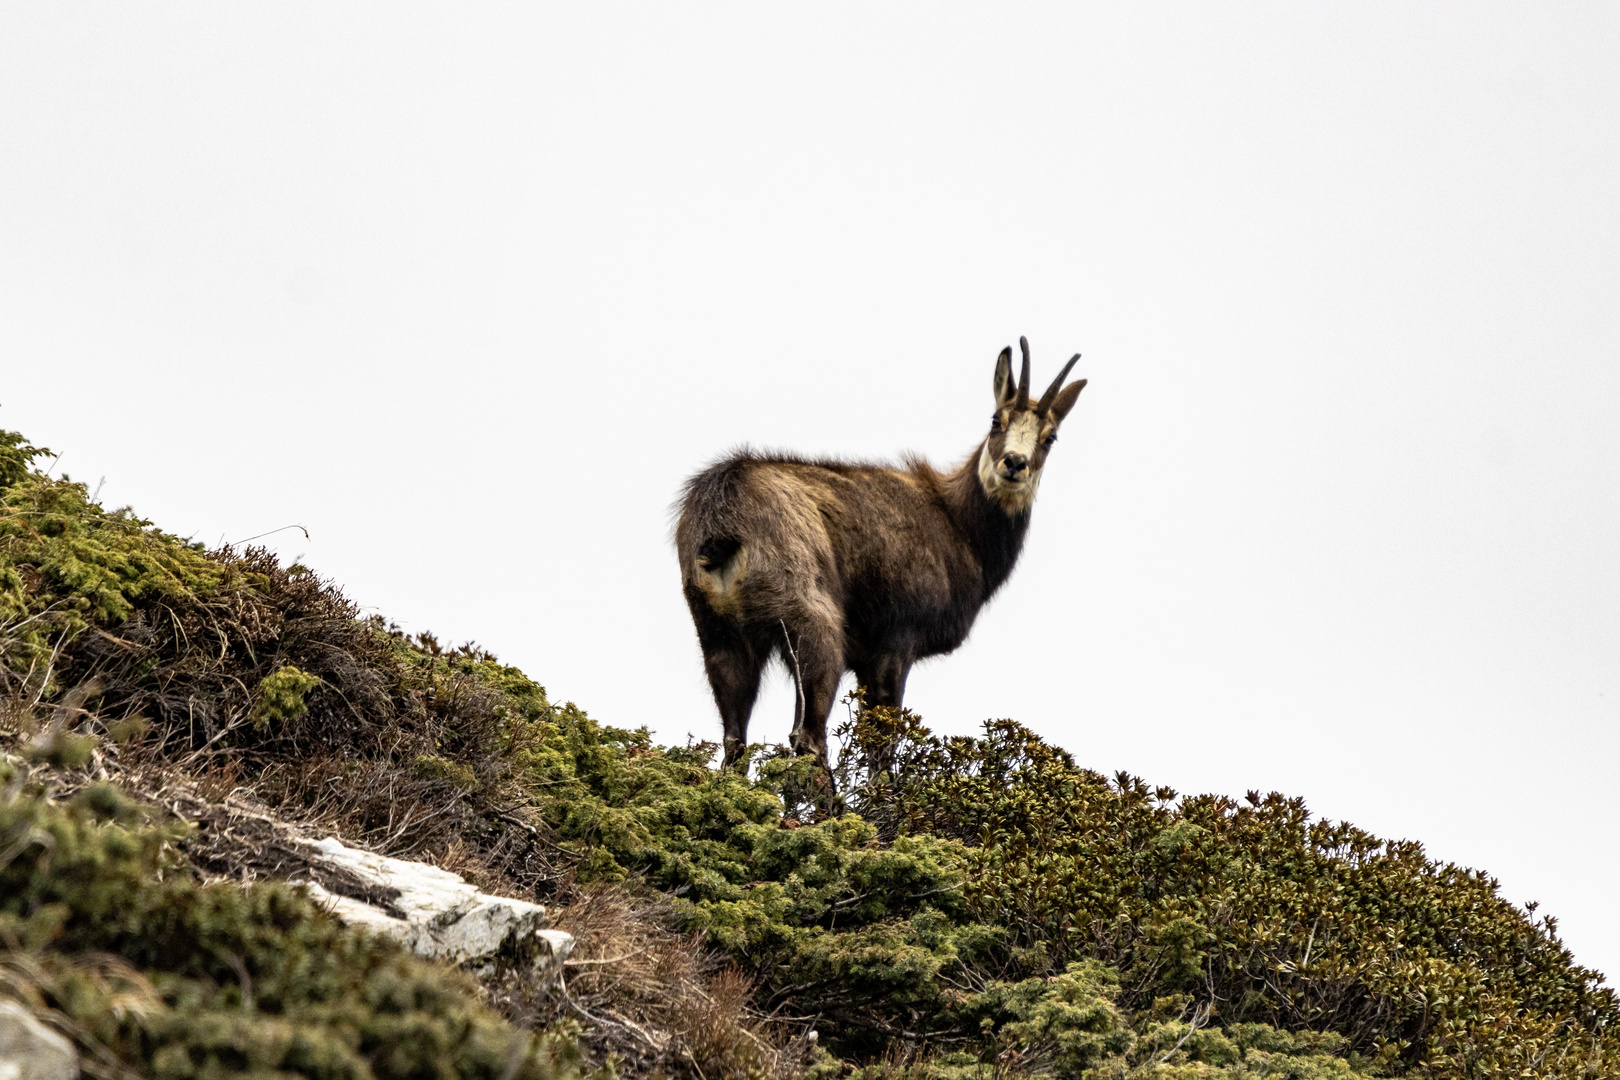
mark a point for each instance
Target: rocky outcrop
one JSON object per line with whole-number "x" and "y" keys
{"x": 31, "y": 1051}
{"x": 433, "y": 912}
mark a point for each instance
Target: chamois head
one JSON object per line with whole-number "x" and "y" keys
{"x": 1022, "y": 432}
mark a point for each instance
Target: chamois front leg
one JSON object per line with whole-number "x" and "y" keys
{"x": 884, "y": 680}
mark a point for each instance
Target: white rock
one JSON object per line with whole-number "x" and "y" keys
{"x": 555, "y": 945}
{"x": 31, "y": 1051}
{"x": 444, "y": 916}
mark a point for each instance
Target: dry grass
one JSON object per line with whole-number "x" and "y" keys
{"x": 657, "y": 1000}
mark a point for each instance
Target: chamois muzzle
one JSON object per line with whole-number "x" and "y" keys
{"x": 1014, "y": 466}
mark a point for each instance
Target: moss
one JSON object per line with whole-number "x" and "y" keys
{"x": 66, "y": 564}
{"x": 60, "y": 749}
{"x": 429, "y": 767}
{"x": 281, "y": 695}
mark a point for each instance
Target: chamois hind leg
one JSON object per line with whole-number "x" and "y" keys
{"x": 733, "y": 663}
{"x": 815, "y": 657}
{"x": 734, "y": 672}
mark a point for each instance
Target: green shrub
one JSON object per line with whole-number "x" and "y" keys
{"x": 67, "y": 565}
{"x": 1271, "y": 917}
{"x": 1068, "y": 1021}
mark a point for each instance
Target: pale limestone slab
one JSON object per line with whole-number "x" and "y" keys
{"x": 445, "y": 917}
{"x": 31, "y": 1051}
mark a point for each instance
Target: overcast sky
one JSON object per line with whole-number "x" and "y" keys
{"x": 469, "y": 291}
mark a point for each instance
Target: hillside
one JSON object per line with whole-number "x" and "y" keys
{"x": 965, "y": 907}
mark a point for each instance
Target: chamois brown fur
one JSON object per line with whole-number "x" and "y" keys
{"x": 845, "y": 566}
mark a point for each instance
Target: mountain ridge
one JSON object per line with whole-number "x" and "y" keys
{"x": 961, "y": 906}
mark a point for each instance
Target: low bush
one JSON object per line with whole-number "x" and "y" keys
{"x": 1274, "y": 918}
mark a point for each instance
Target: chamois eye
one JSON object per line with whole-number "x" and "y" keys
{"x": 1049, "y": 440}
{"x": 995, "y": 423}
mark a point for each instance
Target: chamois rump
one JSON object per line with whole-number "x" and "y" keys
{"x": 844, "y": 566}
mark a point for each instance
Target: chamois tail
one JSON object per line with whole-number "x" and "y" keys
{"x": 717, "y": 551}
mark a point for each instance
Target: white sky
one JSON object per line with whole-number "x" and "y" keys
{"x": 468, "y": 292}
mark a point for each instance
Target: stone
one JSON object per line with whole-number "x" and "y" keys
{"x": 434, "y": 913}
{"x": 31, "y": 1051}
{"x": 555, "y": 945}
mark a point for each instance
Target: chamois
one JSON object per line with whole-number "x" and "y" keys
{"x": 837, "y": 565}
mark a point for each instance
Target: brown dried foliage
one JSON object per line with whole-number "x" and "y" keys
{"x": 656, "y": 999}
{"x": 190, "y": 673}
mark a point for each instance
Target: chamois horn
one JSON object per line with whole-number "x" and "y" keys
{"x": 1023, "y": 377}
{"x": 1057, "y": 384}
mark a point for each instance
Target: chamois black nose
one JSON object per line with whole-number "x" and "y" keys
{"x": 1014, "y": 463}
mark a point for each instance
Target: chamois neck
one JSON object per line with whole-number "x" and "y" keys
{"x": 995, "y": 535}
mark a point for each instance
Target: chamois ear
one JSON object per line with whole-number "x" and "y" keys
{"x": 1004, "y": 384}
{"x": 1066, "y": 399}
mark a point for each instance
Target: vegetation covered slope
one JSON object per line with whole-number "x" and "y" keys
{"x": 974, "y": 905}
{"x": 144, "y": 968}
